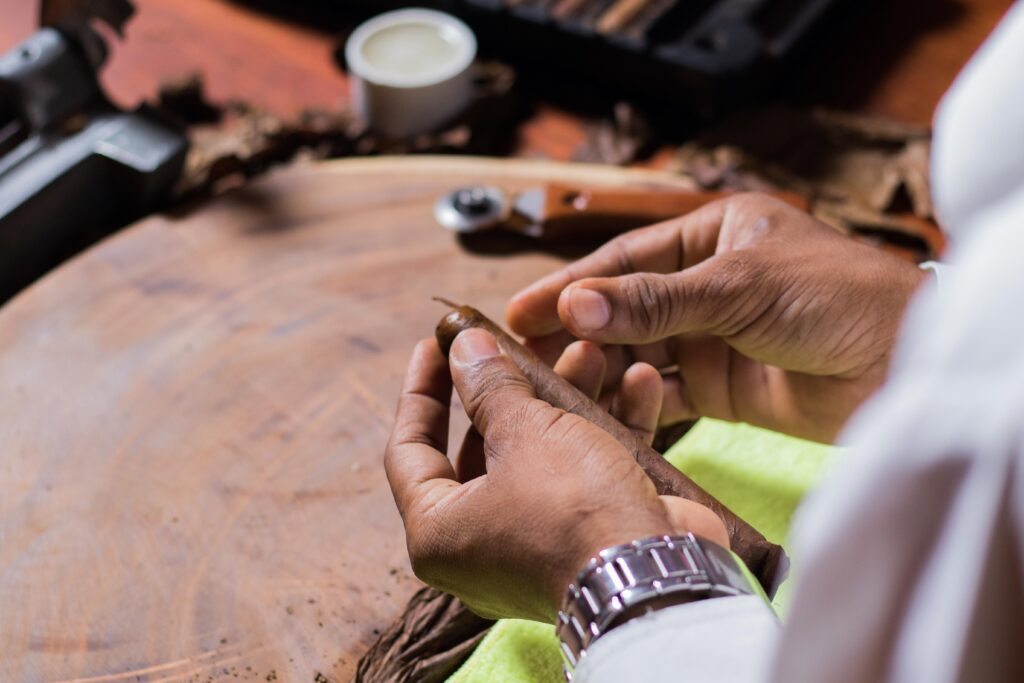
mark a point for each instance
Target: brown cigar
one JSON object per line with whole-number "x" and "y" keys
{"x": 766, "y": 560}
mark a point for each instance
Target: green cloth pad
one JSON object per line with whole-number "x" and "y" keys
{"x": 759, "y": 474}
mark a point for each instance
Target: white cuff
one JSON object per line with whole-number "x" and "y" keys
{"x": 721, "y": 640}
{"x": 941, "y": 271}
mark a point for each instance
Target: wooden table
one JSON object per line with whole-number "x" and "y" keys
{"x": 194, "y": 414}
{"x": 895, "y": 59}
{"x": 194, "y": 410}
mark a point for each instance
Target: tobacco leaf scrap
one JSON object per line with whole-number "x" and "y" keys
{"x": 620, "y": 140}
{"x": 434, "y": 636}
{"x": 865, "y": 175}
{"x": 234, "y": 141}
{"x": 184, "y": 96}
{"x": 834, "y": 155}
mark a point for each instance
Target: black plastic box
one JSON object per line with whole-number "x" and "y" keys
{"x": 702, "y": 54}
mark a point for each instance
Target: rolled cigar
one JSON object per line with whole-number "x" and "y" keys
{"x": 765, "y": 560}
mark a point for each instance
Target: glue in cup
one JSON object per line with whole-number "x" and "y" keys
{"x": 411, "y": 70}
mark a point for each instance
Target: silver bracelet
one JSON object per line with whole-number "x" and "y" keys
{"x": 625, "y": 577}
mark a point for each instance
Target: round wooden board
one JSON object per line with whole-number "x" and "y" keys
{"x": 194, "y": 413}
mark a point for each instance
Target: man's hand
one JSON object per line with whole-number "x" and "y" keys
{"x": 753, "y": 311}
{"x": 508, "y": 536}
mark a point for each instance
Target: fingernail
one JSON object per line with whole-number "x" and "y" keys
{"x": 474, "y": 345}
{"x": 589, "y": 310}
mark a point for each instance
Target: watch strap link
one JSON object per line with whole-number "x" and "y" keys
{"x": 624, "y": 577}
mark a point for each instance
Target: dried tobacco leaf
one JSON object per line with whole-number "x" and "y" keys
{"x": 865, "y": 175}
{"x": 618, "y": 141}
{"x": 434, "y": 636}
{"x": 247, "y": 141}
{"x": 831, "y": 155}
{"x": 185, "y": 97}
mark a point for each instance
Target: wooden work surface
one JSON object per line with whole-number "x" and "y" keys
{"x": 194, "y": 416}
{"x": 893, "y": 58}
{"x": 194, "y": 411}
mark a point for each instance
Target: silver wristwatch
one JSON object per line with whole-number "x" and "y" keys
{"x": 630, "y": 579}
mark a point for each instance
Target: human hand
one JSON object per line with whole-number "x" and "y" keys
{"x": 753, "y": 310}
{"x": 552, "y": 489}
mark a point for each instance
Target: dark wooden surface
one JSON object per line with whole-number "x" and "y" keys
{"x": 894, "y": 58}
{"x": 194, "y": 413}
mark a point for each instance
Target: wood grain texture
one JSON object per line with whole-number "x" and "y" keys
{"x": 194, "y": 417}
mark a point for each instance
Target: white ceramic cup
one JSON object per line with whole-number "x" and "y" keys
{"x": 410, "y": 70}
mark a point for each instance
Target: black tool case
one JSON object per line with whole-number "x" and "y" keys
{"x": 702, "y": 54}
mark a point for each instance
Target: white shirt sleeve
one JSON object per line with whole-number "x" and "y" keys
{"x": 911, "y": 555}
{"x": 724, "y": 640}
{"x": 911, "y": 552}
{"x": 940, "y": 273}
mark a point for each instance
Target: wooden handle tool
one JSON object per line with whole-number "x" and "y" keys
{"x": 558, "y": 212}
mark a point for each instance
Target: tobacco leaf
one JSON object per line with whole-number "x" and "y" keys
{"x": 832, "y": 155}
{"x": 434, "y": 636}
{"x": 235, "y": 141}
{"x": 184, "y": 97}
{"x": 835, "y": 155}
{"x": 865, "y": 175}
{"x": 251, "y": 141}
{"x": 618, "y": 141}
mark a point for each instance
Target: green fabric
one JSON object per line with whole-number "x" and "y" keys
{"x": 760, "y": 475}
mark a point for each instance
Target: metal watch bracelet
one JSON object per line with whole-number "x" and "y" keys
{"x": 623, "y": 578}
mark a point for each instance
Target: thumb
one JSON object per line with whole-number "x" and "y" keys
{"x": 491, "y": 387}
{"x": 685, "y": 516}
{"x": 719, "y": 296}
